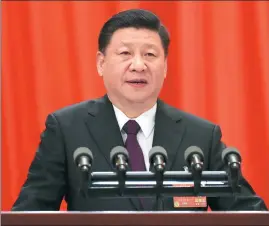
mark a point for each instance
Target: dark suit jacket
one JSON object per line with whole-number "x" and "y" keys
{"x": 54, "y": 176}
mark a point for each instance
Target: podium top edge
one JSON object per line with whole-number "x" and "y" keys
{"x": 134, "y": 212}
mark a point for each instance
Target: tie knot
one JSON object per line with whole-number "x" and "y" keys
{"x": 131, "y": 127}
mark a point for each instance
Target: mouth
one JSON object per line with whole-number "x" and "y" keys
{"x": 137, "y": 82}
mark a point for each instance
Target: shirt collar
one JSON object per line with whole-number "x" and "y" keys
{"x": 146, "y": 120}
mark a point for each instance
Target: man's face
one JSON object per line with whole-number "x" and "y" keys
{"x": 134, "y": 65}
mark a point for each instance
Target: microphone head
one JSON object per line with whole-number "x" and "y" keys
{"x": 228, "y": 151}
{"x": 82, "y": 151}
{"x": 157, "y": 150}
{"x": 191, "y": 151}
{"x": 118, "y": 150}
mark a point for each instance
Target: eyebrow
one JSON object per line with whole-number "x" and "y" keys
{"x": 146, "y": 44}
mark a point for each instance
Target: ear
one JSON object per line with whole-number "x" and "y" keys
{"x": 100, "y": 59}
{"x": 165, "y": 68}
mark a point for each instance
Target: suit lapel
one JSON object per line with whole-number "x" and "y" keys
{"x": 169, "y": 131}
{"x": 103, "y": 126}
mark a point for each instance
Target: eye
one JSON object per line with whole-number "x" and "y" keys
{"x": 125, "y": 53}
{"x": 150, "y": 54}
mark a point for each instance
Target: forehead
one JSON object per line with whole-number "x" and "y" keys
{"x": 134, "y": 36}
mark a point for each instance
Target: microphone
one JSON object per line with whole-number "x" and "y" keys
{"x": 194, "y": 158}
{"x": 158, "y": 158}
{"x": 83, "y": 158}
{"x": 231, "y": 157}
{"x": 119, "y": 157}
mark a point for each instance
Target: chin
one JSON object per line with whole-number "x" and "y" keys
{"x": 139, "y": 99}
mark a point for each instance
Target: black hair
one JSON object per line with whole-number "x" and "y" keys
{"x": 136, "y": 18}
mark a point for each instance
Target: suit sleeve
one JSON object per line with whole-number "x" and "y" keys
{"x": 247, "y": 200}
{"x": 45, "y": 185}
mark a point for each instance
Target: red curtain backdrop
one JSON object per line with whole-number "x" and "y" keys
{"x": 218, "y": 69}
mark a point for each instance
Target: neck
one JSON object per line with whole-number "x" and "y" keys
{"x": 132, "y": 109}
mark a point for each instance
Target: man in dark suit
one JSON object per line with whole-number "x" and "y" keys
{"x": 132, "y": 58}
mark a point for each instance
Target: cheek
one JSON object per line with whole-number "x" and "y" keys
{"x": 117, "y": 69}
{"x": 113, "y": 75}
{"x": 158, "y": 74}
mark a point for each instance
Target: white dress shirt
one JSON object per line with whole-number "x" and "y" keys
{"x": 146, "y": 122}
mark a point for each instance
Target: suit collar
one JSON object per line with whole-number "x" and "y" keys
{"x": 97, "y": 105}
{"x": 146, "y": 120}
{"x": 168, "y": 132}
{"x": 104, "y": 128}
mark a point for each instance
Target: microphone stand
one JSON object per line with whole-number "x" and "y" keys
{"x": 159, "y": 200}
{"x": 121, "y": 178}
{"x": 159, "y": 186}
{"x": 85, "y": 181}
{"x": 233, "y": 175}
{"x": 196, "y": 170}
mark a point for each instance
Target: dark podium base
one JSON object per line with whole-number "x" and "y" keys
{"x": 134, "y": 218}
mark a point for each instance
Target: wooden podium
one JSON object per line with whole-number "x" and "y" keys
{"x": 134, "y": 218}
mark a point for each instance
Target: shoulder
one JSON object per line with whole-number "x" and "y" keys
{"x": 197, "y": 130}
{"x": 77, "y": 110}
{"x": 189, "y": 119}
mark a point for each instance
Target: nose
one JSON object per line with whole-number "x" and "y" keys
{"x": 137, "y": 64}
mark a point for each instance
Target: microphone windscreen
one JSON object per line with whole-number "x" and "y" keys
{"x": 230, "y": 150}
{"x": 118, "y": 150}
{"x": 82, "y": 151}
{"x": 157, "y": 150}
{"x": 191, "y": 151}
